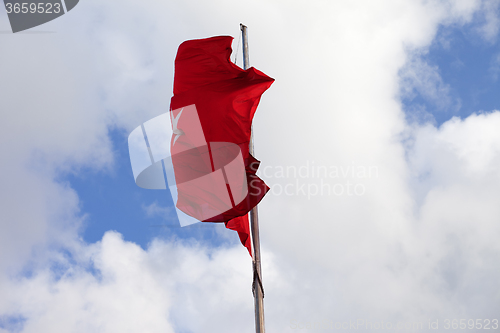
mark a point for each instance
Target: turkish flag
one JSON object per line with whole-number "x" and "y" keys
{"x": 211, "y": 111}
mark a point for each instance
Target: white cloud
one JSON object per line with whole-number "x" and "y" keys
{"x": 491, "y": 25}
{"x": 494, "y": 69}
{"x": 155, "y": 210}
{"x": 115, "y": 286}
{"x": 418, "y": 245}
{"x": 456, "y": 168}
{"x": 419, "y": 77}
{"x": 47, "y": 126}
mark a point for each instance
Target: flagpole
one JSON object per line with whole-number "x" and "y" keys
{"x": 254, "y": 224}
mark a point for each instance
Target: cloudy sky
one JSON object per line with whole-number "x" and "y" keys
{"x": 380, "y": 140}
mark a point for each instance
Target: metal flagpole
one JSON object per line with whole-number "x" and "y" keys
{"x": 254, "y": 225}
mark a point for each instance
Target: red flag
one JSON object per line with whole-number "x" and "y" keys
{"x": 212, "y": 92}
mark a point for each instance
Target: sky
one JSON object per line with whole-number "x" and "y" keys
{"x": 379, "y": 140}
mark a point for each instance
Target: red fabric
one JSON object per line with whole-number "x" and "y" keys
{"x": 226, "y": 98}
{"x": 242, "y": 226}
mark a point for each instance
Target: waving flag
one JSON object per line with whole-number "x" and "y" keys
{"x": 201, "y": 147}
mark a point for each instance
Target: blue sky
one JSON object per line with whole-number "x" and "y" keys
{"x": 409, "y": 89}
{"x": 468, "y": 67}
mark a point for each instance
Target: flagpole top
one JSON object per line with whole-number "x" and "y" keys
{"x": 246, "y": 60}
